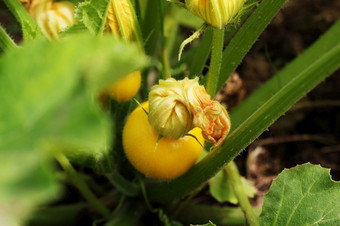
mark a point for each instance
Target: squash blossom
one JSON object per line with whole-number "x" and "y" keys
{"x": 175, "y": 107}
{"x": 217, "y": 13}
{"x": 170, "y": 112}
{"x": 120, "y": 19}
{"x": 51, "y": 17}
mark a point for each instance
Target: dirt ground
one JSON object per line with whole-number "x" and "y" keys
{"x": 310, "y": 130}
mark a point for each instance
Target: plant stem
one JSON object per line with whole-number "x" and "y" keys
{"x": 215, "y": 62}
{"x": 124, "y": 186}
{"x": 6, "y": 43}
{"x": 30, "y": 29}
{"x": 166, "y": 65}
{"x": 237, "y": 186}
{"x": 81, "y": 185}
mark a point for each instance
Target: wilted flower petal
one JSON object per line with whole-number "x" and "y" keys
{"x": 209, "y": 115}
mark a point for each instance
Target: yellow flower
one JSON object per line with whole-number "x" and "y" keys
{"x": 217, "y": 13}
{"x": 178, "y": 106}
{"x": 169, "y": 112}
{"x": 52, "y": 17}
{"x": 120, "y": 19}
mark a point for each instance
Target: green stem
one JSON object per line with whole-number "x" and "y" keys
{"x": 30, "y": 29}
{"x": 6, "y": 43}
{"x": 81, "y": 185}
{"x": 166, "y": 64}
{"x": 215, "y": 62}
{"x": 237, "y": 186}
{"x": 124, "y": 186}
{"x": 165, "y": 60}
{"x": 145, "y": 196}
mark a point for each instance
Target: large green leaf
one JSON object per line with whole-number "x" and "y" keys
{"x": 304, "y": 195}
{"x": 48, "y": 96}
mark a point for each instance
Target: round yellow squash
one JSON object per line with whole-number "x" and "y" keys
{"x": 170, "y": 159}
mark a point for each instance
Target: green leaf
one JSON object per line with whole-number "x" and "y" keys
{"x": 48, "y": 96}
{"x": 207, "y": 224}
{"x": 246, "y": 37}
{"x": 258, "y": 112}
{"x": 187, "y": 19}
{"x": 200, "y": 214}
{"x": 6, "y": 42}
{"x": 30, "y": 29}
{"x": 55, "y": 87}
{"x": 151, "y": 28}
{"x": 201, "y": 54}
{"x": 27, "y": 180}
{"x": 92, "y": 14}
{"x": 57, "y": 215}
{"x": 304, "y": 195}
{"x": 221, "y": 190}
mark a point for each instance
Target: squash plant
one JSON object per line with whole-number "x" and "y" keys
{"x": 62, "y": 118}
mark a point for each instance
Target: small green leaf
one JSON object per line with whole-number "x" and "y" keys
{"x": 92, "y": 14}
{"x": 304, "y": 195}
{"x": 220, "y": 188}
{"x": 30, "y": 29}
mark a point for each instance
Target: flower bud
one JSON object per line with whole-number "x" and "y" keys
{"x": 52, "y": 17}
{"x": 169, "y": 110}
{"x": 178, "y": 106}
{"x": 120, "y": 19}
{"x": 217, "y": 13}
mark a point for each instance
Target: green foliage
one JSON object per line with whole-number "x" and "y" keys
{"x": 207, "y": 224}
{"x": 30, "y": 29}
{"x": 93, "y": 13}
{"x": 253, "y": 116}
{"x": 221, "y": 188}
{"x": 303, "y": 195}
{"x": 26, "y": 179}
{"x": 246, "y": 36}
{"x": 49, "y": 103}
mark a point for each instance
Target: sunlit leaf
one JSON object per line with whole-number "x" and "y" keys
{"x": 304, "y": 195}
